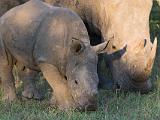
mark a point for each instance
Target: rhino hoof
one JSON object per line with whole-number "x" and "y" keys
{"x": 9, "y": 97}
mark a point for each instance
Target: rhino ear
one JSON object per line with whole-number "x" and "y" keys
{"x": 100, "y": 48}
{"x": 77, "y": 46}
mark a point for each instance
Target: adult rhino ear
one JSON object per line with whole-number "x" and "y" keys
{"x": 100, "y": 48}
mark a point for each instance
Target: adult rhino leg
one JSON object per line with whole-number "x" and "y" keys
{"x": 63, "y": 97}
{"x": 7, "y": 83}
{"x": 28, "y": 77}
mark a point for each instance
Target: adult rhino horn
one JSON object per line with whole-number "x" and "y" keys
{"x": 152, "y": 55}
{"x": 100, "y": 48}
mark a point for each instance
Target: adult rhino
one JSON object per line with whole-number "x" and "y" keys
{"x": 55, "y": 41}
{"x": 123, "y": 22}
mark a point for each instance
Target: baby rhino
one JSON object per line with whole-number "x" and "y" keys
{"x": 54, "y": 41}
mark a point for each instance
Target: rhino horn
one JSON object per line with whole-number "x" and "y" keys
{"x": 152, "y": 55}
{"x": 100, "y": 48}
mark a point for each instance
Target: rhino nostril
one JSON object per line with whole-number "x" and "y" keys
{"x": 145, "y": 42}
{"x": 65, "y": 77}
{"x": 76, "y": 82}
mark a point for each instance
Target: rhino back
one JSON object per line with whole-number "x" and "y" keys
{"x": 19, "y": 26}
{"x": 55, "y": 36}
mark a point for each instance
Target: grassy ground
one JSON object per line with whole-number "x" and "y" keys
{"x": 112, "y": 105}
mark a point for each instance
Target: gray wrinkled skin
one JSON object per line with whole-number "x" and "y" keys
{"x": 55, "y": 41}
{"x": 126, "y": 24}
{"x": 25, "y": 74}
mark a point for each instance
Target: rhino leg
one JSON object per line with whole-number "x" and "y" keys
{"x": 63, "y": 97}
{"x": 6, "y": 75}
{"x": 28, "y": 77}
{"x": 7, "y": 83}
{"x": 104, "y": 82}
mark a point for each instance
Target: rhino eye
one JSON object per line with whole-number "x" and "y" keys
{"x": 114, "y": 47}
{"x": 65, "y": 77}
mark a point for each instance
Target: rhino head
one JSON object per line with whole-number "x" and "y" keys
{"x": 81, "y": 73}
{"x": 81, "y": 68}
{"x": 129, "y": 25}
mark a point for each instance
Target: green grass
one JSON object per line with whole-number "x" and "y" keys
{"x": 112, "y": 105}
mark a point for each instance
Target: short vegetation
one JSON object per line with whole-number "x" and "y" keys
{"x": 113, "y": 105}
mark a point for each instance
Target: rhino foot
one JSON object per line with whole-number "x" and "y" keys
{"x": 9, "y": 97}
{"x": 32, "y": 93}
{"x": 28, "y": 76}
{"x": 7, "y": 83}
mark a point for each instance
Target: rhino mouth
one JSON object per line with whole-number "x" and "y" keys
{"x": 142, "y": 87}
{"x": 134, "y": 86}
{"x": 87, "y": 107}
{"x": 86, "y": 103}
